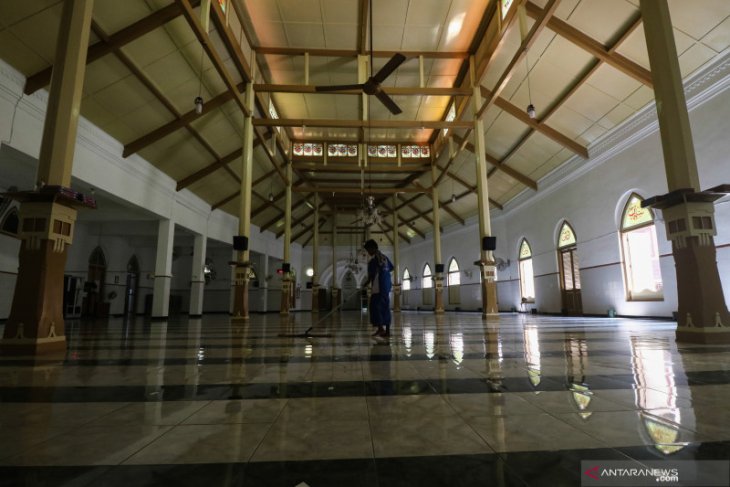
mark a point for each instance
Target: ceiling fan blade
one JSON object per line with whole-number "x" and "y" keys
{"x": 388, "y": 102}
{"x": 338, "y": 87}
{"x": 389, "y": 67}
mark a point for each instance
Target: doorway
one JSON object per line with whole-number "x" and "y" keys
{"x": 569, "y": 272}
{"x": 93, "y": 304}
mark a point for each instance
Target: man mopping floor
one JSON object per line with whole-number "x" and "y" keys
{"x": 379, "y": 269}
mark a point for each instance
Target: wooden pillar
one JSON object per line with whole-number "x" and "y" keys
{"x": 48, "y": 215}
{"x": 396, "y": 258}
{"x": 438, "y": 275}
{"x": 241, "y": 244}
{"x": 688, "y": 212}
{"x": 486, "y": 260}
{"x": 286, "y": 281}
{"x": 315, "y": 256}
{"x": 335, "y": 290}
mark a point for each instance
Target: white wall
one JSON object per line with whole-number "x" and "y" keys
{"x": 98, "y": 163}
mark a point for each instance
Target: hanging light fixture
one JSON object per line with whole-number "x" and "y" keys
{"x": 453, "y": 198}
{"x": 530, "y": 108}
{"x": 198, "y": 102}
{"x": 198, "y": 105}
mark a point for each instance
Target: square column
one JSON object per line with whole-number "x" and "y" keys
{"x": 163, "y": 270}
{"x": 197, "y": 280}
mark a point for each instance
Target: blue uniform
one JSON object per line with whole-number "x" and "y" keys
{"x": 379, "y": 269}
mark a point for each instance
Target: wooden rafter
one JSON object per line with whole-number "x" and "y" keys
{"x": 353, "y": 53}
{"x": 595, "y": 48}
{"x": 530, "y": 183}
{"x": 353, "y": 124}
{"x": 393, "y": 91}
{"x": 115, "y": 41}
{"x": 527, "y": 42}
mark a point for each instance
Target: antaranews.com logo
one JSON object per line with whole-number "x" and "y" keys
{"x": 632, "y": 473}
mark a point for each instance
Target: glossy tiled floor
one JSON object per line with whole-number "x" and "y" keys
{"x": 451, "y": 401}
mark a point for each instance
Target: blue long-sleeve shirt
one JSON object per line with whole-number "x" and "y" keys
{"x": 379, "y": 269}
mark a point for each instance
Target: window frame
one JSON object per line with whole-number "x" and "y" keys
{"x": 406, "y": 277}
{"x": 521, "y": 260}
{"x": 427, "y": 277}
{"x": 626, "y": 262}
{"x": 11, "y": 212}
{"x": 456, "y": 272}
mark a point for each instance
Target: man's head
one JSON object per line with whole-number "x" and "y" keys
{"x": 371, "y": 246}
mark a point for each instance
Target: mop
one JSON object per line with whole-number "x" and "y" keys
{"x": 308, "y": 333}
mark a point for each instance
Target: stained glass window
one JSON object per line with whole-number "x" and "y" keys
{"x": 382, "y": 151}
{"x": 635, "y": 215}
{"x": 567, "y": 237}
{"x": 342, "y": 150}
{"x": 643, "y": 277}
{"x": 525, "y": 251}
{"x": 413, "y": 151}
{"x": 427, "y": 277}
{"x": 307, "y": 150}
{"x": 406, "y": 280}
{"x": 222, "y": 4}
{"x": 450, "y": 116}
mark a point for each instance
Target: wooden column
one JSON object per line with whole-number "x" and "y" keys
{"x": 286, "y": 281}
{"x": 315, "y": 256}
{"x": 47, "y": 218}
{"x": 438, "y": 275}
{"x": 396, "y": 257}
{"x": 243, "y": 264}
{"x": 688, "y": 213}
{"x": 486, "y": 267}
{"x": 335, "y": 290}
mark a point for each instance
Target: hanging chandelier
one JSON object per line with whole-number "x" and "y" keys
{"x": 369, "y": 215}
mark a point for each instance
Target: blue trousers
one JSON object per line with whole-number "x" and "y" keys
{"x": 380, "y": 310}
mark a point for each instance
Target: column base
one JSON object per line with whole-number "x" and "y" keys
{"x": 705, "y": 335}
{"x": 33, "y": 346}
{"x": 239, "y": 319}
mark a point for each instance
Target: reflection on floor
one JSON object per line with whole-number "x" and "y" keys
{"x": 448, "y": 400}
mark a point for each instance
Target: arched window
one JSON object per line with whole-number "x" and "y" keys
{"x": 427, "y": 277}
{"x": 567, "y": 250}
{"x": 643, "y": 277}
{"x": 453, "y": 277}
{"x": 10, "y": 223}
{"x": 527, "y": 277}
{"x": 406, "y": 280}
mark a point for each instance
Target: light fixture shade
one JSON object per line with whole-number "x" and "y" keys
{"x": 271, "y": 196}
{"x": 531, "y": 111}
{"x": 198, "y": 105}
{"x": 453, "y": 198}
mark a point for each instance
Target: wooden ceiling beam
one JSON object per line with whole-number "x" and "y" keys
{"x": 530, "y": 183}
{"x": 392, "y": 90}
{"x": 405, "y": 222}
{"x": 538, "y": 125}
{"x": 115, "y": 41}
{"x": 294, "y": 207}
{"x": 595, "y": 48}
{"x": 353, "y": 53}
{"x": 213, "y": 55}
{"x": 362, "y": 27}
{"x": 527, "y": 42}
{"x": 351, "y": 189}
{"x": 170, "y": 127}
{"x": 334, "y": 123}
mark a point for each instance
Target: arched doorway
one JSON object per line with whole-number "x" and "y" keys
{"x": 569, "y": 271}
{"x": 93, "y": 304}
{"x": 132, "y": 288}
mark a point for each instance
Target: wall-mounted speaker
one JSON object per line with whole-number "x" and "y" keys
{"x": 286, "y": 267}
{"x": 240, "y": 242}
{"x": 489, "y": 243}
{"x": 439, "y": 267}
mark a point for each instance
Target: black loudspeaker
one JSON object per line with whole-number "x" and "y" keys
{"x": 240, "y": 242}
{"x": 489, "y": 243}
{"x": 286, "y": 267}
{"x": 439, "y": 267}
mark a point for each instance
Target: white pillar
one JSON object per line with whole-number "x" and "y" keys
{"x": 163, "y": 269}
{"x": 197, "y": 280}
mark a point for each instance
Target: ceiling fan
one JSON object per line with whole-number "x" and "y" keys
{"x": 373, "y": 84}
